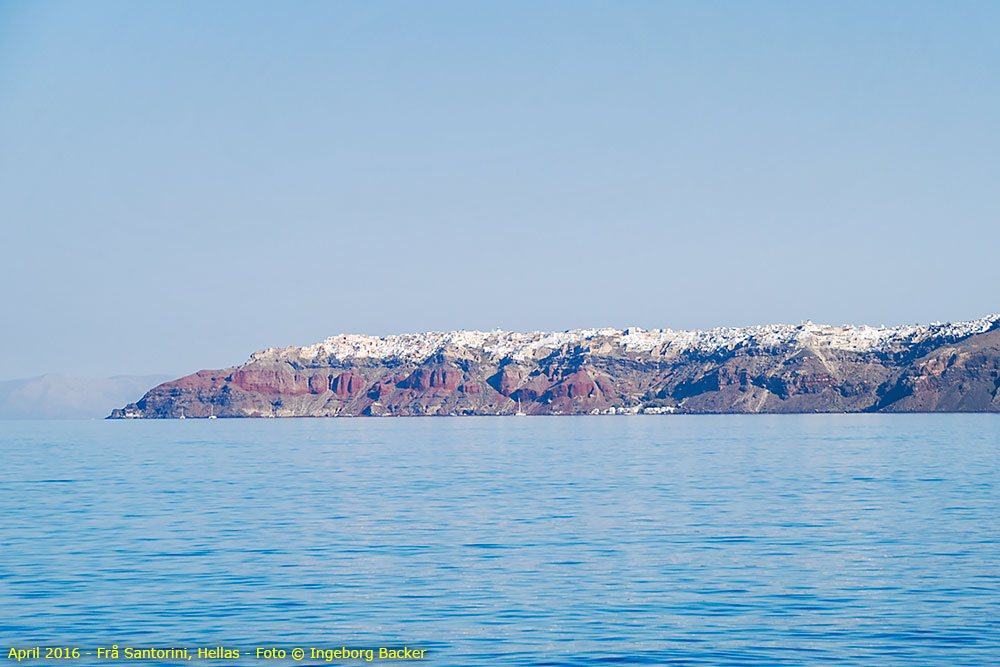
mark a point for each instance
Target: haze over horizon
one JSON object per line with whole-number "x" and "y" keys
{"x": 182, "y": 185}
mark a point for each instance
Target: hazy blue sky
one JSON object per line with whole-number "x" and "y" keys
{"x": 182, "y": 183}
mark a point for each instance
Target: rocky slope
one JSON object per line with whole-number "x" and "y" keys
{"x": 777, "y": 369}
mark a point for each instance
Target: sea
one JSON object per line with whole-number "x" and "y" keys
{"x": 657, "y": 540}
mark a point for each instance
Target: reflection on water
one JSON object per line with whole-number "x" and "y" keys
{"x": 847, "y": 539}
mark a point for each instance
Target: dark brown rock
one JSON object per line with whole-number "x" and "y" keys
{"x": 348, "y": 384}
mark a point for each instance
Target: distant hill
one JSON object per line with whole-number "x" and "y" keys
{"x": 951, "y": 367}
{"x": 57, "y": 396}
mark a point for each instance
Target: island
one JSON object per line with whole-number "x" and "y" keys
{"x": 804, "y": 368}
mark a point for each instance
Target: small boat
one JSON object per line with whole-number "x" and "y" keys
{"x": 520, "y": 412}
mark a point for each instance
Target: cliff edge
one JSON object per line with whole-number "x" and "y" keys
{"x": 952, "y": 367}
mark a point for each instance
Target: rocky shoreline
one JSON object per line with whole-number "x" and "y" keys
{"x": 768, "y": 369}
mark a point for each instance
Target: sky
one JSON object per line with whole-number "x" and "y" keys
{"x": 183, "y": 183}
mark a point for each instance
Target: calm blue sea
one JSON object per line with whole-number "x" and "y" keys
{"x": 702, "y": 540}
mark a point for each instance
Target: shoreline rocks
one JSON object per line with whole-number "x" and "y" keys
{"x": 773, "y": 369}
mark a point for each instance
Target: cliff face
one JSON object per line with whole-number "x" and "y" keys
{"x": 777, "y": 369}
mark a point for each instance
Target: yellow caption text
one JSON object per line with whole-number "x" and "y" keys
{"x": 270, "y": 653}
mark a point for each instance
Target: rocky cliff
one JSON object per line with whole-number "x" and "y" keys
{"x": 776, "y": 369}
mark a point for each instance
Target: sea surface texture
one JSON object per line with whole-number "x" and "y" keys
{"x": 698, "y": 540}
